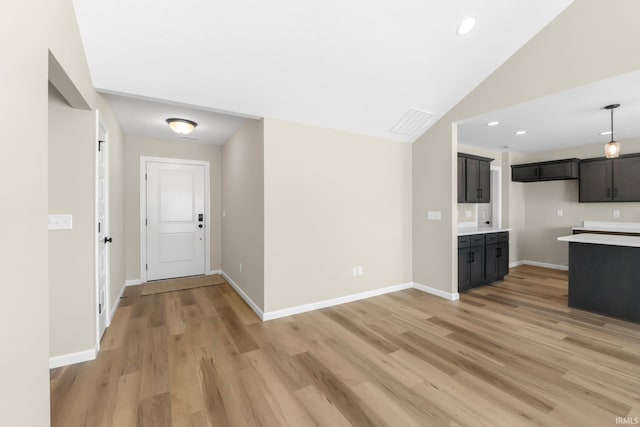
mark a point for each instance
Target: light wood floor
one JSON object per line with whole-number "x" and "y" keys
{"x": 511, "y": 354}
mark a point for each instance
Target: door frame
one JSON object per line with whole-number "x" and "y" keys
{"x": 143, "y": 209}
{"x": 100, "y": 122}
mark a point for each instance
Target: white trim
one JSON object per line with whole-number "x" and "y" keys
{"x": 72, "y": 358}
{"x": 539, "y": 264}
{"x": 143, "y": 208}
{"x": 100, "y": 122}
{"x": 244, "y": 296}
{"x": 117, "y": 303}
{"x": 437, "y": 292}
{"x": 212, "y": 272}
{"x": 334, "y": 301}
{"x": 133, "y": 282}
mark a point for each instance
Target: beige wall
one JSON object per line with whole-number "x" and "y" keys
{"x": 27, "y": 30}
{"x": 333, "y": 200}
{"x": 243, "y": 204}
{"x": 71, "y": 252}
{"x": 543, "y": 199}
{"x": 565, "y": 54}
{"x": 136, "y": 146}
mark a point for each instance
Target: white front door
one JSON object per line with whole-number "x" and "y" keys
{"x": 103, "y": 239}
{"x": 175, "y": 220}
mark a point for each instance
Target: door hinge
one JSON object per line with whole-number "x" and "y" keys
{"x": 98, "y": 227}
{"x": 99, "y": 308}
{"x": 146, "y": 266}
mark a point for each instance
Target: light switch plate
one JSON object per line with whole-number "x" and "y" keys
{"x": 60, "y": 222}
{"x": 616, "y": 213}
{"x": 434, "y": 215}
{"x": 559, "y": 212}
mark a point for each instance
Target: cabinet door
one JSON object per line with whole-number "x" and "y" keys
{"x": 491, "y": 263}
{"x": 596, "y": 180}
{"x": 626, "y": 179}
{"x": 484, "y": 182}
{"x": 476, "y": 266}
{"x": 462, "y": 179}
{"x": 471, "y": 192}
{"x": 559, "y": 170}
{"x": 524, "y": 173}
{"x": 464, "y": 281}
{"x": 502, "y": 259}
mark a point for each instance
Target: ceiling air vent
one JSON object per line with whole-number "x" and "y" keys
{"x": 412, "y": 122}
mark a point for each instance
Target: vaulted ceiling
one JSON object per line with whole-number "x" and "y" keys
{"x": 358, "y": 66}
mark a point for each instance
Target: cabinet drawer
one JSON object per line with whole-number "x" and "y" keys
{"x": 464, "y": 241}
{"x": 503, "y": 237}
{"x": 492, "y": 238}
{"x": 477, "y": 240}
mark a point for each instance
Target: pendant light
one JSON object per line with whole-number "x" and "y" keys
{"x": 181, "y": 126}
{"x": 612, "y": 148}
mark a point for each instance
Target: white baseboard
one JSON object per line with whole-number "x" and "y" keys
{"x": 116, "y": 305}
{"x": 539, "y": 264}
{"x": 243, "y": 295}
{"x": 437, "y": 292}
{"x": 212, "y": 272}
{"x": 134, "y": 282}
{"x": 72, "y": 358}
{"x": 270, "y": 315}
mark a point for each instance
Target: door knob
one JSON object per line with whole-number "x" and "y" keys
{"x": 200, "y": 225}
{"x": 108, "y": 240}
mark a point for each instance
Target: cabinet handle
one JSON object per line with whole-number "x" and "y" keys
{"x": 473, "y": 257}
{"x": 608, "y": 193}
{"x": 615, "y": 192}
{"x": 480, "y": 190}
{"x": 499, "y": 253}
{"x": 468, "y": 257}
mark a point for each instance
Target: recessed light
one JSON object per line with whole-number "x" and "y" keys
{"x": 606, "y": 132}
{"x": 521, "y": 132}
{"x": 466, "y": 26}
{"x": 493, "y": 123}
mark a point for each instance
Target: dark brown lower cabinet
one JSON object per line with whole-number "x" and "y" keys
{"x": 482, "y": 259}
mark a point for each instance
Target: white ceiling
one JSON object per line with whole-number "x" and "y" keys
{"x": 145, "y": 117}
{"x": 357, "y": 65}
{"x": 566, "y": 119}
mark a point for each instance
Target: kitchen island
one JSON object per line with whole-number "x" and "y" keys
{"x": 604, "y": 274}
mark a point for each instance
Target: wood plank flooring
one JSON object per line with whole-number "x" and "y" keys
{"x": 511, "y": 354}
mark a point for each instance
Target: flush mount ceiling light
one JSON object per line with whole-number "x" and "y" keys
{"x": 466, "y": 26}
{"x": 181, "y": 126}
{"x": 612, "y": 148}
{"x": 493, "y": 123}
{"x": 521, "y": 132}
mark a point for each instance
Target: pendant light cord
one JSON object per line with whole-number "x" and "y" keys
{"x": 612, "y": 125}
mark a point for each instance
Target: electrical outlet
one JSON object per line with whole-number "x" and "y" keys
{"x": 467, "y": 214}
{"x": 559, "y": 212}
{"x": 354, "y": 271}
{"x": 240, "y": 267}
{"x": 360, "y": 270}
{"x": 224, "y": 213}
{"x": 616, "y": 213}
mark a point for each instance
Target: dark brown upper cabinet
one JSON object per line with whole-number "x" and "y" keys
{"x": 610, "y": 180}
{"x": 546, "y": 171}
{"x": 474, "y": 179}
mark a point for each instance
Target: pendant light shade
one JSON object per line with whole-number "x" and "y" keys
{"x": 181, "y": 126}
{"x": 612, "y": 148}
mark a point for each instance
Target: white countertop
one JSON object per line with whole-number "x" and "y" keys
{"x": 602, "y": 239}
{"x": 618, "y": 227}
{"x": 466, "y": 231}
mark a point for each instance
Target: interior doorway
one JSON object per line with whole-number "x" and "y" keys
{"x": 102, "y": 227}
